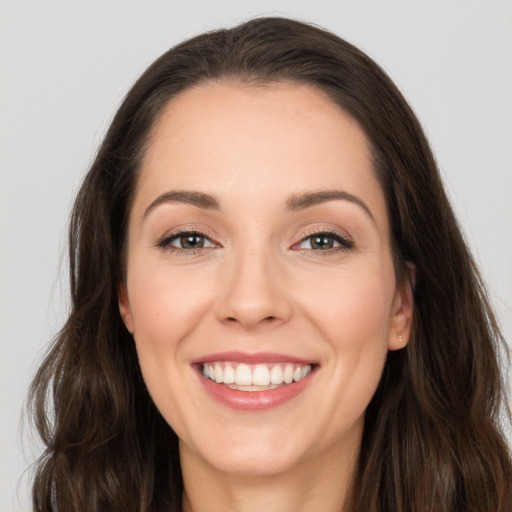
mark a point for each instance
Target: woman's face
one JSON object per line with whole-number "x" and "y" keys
{"x": 259, "y": 254}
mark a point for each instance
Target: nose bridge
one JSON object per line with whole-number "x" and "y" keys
{"x": 252, "y": 288}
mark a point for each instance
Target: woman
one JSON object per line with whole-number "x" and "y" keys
{"x": 272, "y": 305}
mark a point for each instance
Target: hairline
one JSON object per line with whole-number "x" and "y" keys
{"x": 253, "y": 81}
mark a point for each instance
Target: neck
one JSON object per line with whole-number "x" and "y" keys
{"x": 320, "y": 484}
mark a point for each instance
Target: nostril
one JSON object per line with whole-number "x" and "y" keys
{"x": 268, "y": 319}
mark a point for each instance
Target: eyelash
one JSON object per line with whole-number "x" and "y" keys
{"x": 345, "y": 243}
{"x": 165, "y": 243}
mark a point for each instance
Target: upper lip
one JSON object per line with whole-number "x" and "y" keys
{"x": 252, "y": 358}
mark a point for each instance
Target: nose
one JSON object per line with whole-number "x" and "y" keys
{"x": 253, "y": 292}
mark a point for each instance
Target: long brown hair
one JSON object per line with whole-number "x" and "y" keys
{"x": 432, "y": 440}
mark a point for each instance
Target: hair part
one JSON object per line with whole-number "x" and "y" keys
{"x": 432, "y": 438}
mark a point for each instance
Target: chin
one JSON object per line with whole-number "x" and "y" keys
{"x": 250, "y": 455}
{"x": 254, "y": 463}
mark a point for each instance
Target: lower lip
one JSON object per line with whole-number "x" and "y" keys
{"x": 254, "y": 400}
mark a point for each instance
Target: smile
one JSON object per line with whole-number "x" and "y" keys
{"x": 254, "y": 382}
{"x": 255, "y": 377}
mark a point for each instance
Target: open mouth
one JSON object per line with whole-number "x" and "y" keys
{"x": 255, "y": 377}
{"x": 254, "y": 382}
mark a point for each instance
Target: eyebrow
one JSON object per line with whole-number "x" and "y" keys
{"x": 308, "y": 199}
{"x": 199, "y": 199}
{"x": 293, "y": 203}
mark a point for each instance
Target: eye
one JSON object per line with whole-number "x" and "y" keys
{"x": 186, "y": 241}
{"x": 325, "y": 242}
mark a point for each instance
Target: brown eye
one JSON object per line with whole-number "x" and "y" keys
{"x": 191, "y": 241}
{"x": 321, "y": 242}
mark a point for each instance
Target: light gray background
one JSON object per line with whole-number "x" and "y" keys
{"x": 65, "y": 66}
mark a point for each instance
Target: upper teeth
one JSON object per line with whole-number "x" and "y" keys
{"x": 242, "y": 374}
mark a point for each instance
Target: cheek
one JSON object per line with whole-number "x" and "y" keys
{"x": 352, "y": 313}
{"x": 351, "y": 308}
{"x": 166, "y": 303}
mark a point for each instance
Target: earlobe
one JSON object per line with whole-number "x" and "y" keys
{"x": 124, "y": 307}
{"x": 403, "y": 311}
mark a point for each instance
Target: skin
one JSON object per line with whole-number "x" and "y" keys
{"x": 260, "y": 286}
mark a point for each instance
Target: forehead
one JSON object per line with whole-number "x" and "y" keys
{"x": 260, "y": 143}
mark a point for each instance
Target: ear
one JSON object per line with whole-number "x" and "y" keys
{"x": 403, "y": 311}
{"x": 124, "y": 307}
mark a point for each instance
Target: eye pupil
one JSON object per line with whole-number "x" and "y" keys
{"x": 322, "y": 242}
{"x": 192, "y": 241}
